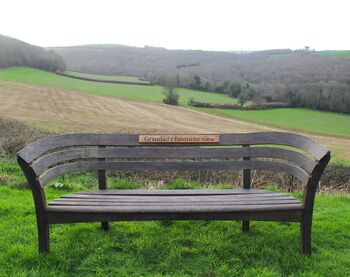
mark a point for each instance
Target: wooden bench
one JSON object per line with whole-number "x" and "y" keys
{"x": 53, "y": 156}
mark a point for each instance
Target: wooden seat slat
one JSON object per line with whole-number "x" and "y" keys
{"x": 174, "y": 198}
{"x": 172, "y": 209}
{"x": 144, "y": 192}
{"x": 165, "y": 203}
{"x": 244, "y": 199}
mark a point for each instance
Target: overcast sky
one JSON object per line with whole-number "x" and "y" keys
{"x": 190, "y": 24}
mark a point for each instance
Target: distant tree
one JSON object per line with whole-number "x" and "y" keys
{"x": 171, "y": 96}
{"x": 196, "y": 82}
{"x": 226, "y": 85}
{"x": 242, "y": 100}
{"x": 206, "y": 86}
{"x": 268, "y": 98}
{"x": 235, "y": 90}
{"x": 177, "y": 79}
{"x": 14, "y": 52}
{"x": 245, "y": 94}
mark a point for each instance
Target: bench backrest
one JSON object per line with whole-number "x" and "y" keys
{"x": 56, "y": 155}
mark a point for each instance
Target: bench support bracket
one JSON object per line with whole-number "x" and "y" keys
{"x": 246, "y": 185}
{"x": 102, "y": 184}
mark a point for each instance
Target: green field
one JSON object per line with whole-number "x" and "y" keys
{"x": 335, "y": 53}
{"x": 106, "y": 77}
{"x": 295, "y": 119}
{"x": 132, "y": 92}
{"x": 180, "y": 248}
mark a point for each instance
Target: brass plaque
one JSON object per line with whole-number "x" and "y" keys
{"x": 179, "y": 139}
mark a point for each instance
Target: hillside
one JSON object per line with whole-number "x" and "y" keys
{"x": 316, "y": 80}
{"x": 284, "y": 66}
{"x": 132, "y": 92}
{"x": 58, "y": 110}
{"x": 296, "y": 119}
{"x": 14, "y": 52}
{"x": 52, "y": 103}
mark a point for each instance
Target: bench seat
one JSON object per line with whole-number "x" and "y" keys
{"x": 170, "y": 204}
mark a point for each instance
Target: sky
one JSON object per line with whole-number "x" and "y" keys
{"x": 192, "y": 24}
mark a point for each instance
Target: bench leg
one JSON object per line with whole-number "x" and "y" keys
{"x": 44, "y": 237}
{"x": 305, "y": 237}
{"x": 245, "y": 226}
{"x": 105, "y": 226}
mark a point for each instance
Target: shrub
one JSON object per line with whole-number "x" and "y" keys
{"x": 171, "y": 96}
{"x": 336, "y": 178}
{"x": 14, "y": 135}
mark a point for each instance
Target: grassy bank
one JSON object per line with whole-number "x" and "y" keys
{"x": 293, "y": 118}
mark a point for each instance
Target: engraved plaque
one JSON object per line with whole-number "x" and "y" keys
{"x": 179, "y": 139}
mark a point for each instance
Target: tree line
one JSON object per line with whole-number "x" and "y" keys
{"x": 14, "y": 52}
{"x": 325, "y": 96}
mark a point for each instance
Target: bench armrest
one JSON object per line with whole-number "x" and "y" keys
{"x": 312, "y": 184}
{"x": 37, "y": 190}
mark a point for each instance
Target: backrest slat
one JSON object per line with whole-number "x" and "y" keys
{"x": 278, "y": 151}
{"x": 151, "y": 165}
{"x": 38, "y": 148}
{"x": 40, "y": 165}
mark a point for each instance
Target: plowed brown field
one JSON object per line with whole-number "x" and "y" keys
{"x": 70, "y": 111}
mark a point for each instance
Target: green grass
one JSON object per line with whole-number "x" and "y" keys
{"x": 106, "y": 77}
{"x": 133, "y": 92}
{"x": 177, "y": 248}
{"x": 335, "y": 53}
{"x": 295, "y": 119}
{"x": 180, "y": 248}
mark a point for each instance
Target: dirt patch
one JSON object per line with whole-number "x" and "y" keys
{"x": 77, "y": 112}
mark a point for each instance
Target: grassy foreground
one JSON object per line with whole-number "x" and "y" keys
{"x": 181, "y": 248}
{"x": 133, "y": 92}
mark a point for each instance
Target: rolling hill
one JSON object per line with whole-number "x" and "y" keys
{"x": 61, "y": 104}
{"x": 132, "y": 92}
{"x": 271, "y": 66}
{"x": 294, "y": 119}
{"x": 316, "y": 80}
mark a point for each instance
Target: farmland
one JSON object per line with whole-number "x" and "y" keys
{"x": 335, "y": 53}
{"x": 297, "y": 119}
{"x": 58, "y": 111}
{"x": 105, "y": 77}
{"x": 131, "y": 92}
{"x": 333, "y": 124}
